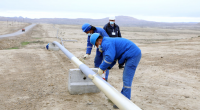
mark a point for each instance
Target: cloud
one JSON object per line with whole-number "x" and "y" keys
{"x": 171, "y": 8}
{"x": 169, "y": 19}
{"x": 152, "y": 9}
{"x": 43, "y": 14}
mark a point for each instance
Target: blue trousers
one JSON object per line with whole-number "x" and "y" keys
{"x": 97, "y": 62}
{"x": 128, "y": 74}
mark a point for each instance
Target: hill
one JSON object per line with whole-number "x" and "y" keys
{"x": 120, "y": 20}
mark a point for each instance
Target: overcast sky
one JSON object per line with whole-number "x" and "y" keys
{"x": 152, "y": 10}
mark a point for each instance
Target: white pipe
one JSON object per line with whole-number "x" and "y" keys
{"x": 115, "y": 96}
{"x": 76, "y": 61}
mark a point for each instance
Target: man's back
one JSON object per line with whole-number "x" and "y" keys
{"x": 101, "y": 31}
{"x": 120, "y": 48}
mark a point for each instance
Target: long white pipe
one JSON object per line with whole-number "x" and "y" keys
{"x": 115, "y": 96}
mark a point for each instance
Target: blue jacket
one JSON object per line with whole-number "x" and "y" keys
{"x": 120, "y": 49}
{"x": 109, "y": 29}
{"x": 103, "y": 33}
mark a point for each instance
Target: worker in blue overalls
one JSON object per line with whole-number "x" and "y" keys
{"x": 123, "y": 50}
{"x": 89, "y": 30}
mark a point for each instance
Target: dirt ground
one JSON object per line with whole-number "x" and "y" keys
{"x": 32, "y": 78}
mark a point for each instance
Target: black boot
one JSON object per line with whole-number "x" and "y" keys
{"x": 121, "y": 66}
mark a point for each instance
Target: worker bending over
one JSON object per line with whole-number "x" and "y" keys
{"x": 123, "y": 50}
{"x": 89, "y": 30}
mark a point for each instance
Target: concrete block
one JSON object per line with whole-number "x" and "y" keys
{"x": 78, "y": 83}
{"x": 53, "y": 47}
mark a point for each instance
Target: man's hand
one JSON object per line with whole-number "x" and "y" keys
{"x": 86, "y": 56}
{"x": 100, "y": 71}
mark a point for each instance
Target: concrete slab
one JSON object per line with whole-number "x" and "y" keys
{"x": 53, "y": 47}
{"x": 78, "y": 83}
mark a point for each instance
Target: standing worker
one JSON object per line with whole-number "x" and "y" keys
{"x": 111, "y": 28}
{"x": 89, "y": 30}
{"x": 123, "y": 50}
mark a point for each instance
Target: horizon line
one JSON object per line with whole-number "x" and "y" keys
{"x": 105, "y": 18}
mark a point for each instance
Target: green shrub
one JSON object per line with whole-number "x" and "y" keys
{"x": 25, "y": 43}
{"x": 14, "y": 48}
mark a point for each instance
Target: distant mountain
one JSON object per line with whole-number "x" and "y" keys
{"x": 120, "y": 20}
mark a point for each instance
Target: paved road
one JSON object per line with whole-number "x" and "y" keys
{"x": 18, "y": 32}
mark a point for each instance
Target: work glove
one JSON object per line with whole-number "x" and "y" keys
{"x": 100, "y": 71}
{"x": 86, "y": 56}
{"x": 100, "y": 50}
{"x": 121, "y": 66}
